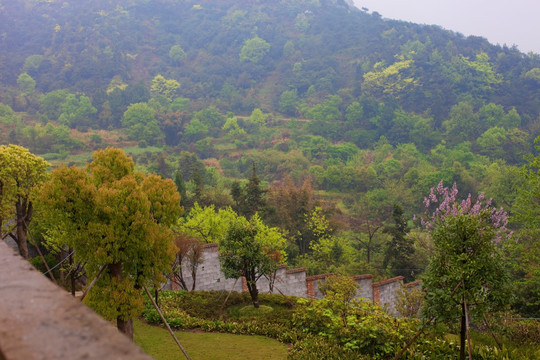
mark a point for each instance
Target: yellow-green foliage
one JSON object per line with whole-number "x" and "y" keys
{"x": 390, "y": 79}
{"x": 112, "y": 216}
{"x": 20, "y": 173}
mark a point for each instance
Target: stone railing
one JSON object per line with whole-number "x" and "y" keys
{"x": 39, "y": 320}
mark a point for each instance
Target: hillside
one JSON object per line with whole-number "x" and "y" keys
{"x": 319, "y": 103}
{"x": 314, "y": 47}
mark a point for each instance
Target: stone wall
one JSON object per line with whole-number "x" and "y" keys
{"x": 289, "y": 282}
{"x": 365, "y": 286}
{"x": 385, "y": 293}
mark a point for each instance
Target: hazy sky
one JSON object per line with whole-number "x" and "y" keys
{"x": 500, "y": 21}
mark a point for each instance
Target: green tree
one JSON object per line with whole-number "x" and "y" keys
{"x": 466, "y": 276}
{"x": 141, "y": 123}
{"x": 164, "y": 87}
{"x": 51, "y": 103}
{"x": 21, "y": 172}
{"x": 76, "y": 111}
{"x": 26, "y": 83}
{"x": 232, "y": 127}
{"x": 206, "y": 223}
{"x": 354, "y": 113}
{"x": 527, "y": 253}
{"x": 251, "y": 249}
{"x": 32, "y": 63}
{"x": 393, "y": 80}
{"x": 289, "y": 206}
{"x": 288, "y": 102}
{"x": 463, "y": 123}
{"x": 369, "y": 214}
{"x": 117, "y": 219}
{"x": 400, "y": 249}
{"x": 254, "y": 50}
{"x": 177, "y": 54}
{"x": 195, "y": 130}
{"x": 249, "y": 198}
{"x": 257, "y": 119}
{"x": 492, "y": 142}
{"x": 327, "y": 249}
{"x": 254, "y": 195}
{"x": 476, "y": 76}
{"x": 7, "y": 115}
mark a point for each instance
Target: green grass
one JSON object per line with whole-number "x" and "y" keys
{"x": 158, "y": 343}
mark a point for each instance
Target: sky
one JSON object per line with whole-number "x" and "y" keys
{"x": 515, "y": 22}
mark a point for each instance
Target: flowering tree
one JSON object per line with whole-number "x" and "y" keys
{"x": 466, "y": 276}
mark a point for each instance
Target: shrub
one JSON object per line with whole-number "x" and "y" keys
{"x": 319, "y": 348}
{"x": 524, "y": 332}
{"x": 357, "y": 325}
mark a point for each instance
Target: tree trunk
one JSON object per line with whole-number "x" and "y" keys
{"x": 72, "y": 273}
{"x": 23, "y": 210}
{"x": 253, "y": 291}
{"x": 21, "y": 239}
{"x": 124, "y": 326}
{"x": 193, "y": 276}
{"x": 254, "y": 296}
{"x": 463, "y": 332}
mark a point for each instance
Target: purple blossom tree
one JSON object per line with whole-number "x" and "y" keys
{"x": 466, "y": 276}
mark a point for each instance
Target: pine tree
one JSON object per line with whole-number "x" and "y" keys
{"x": 399, "y": 253}
{"x": 254, "y": 195}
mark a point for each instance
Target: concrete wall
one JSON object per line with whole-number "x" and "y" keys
{"x": 39, "y": 320}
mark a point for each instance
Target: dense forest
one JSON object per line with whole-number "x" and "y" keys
{"x": 330, "y": 122}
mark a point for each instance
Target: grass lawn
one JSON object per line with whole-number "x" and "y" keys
{"x": 158, "y": 343}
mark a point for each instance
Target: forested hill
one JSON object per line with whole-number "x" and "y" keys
{"x": 244, "y": 54}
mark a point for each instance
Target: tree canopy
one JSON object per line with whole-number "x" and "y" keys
{"x": 21, "y": 173}
{"x": 116, "y": 218}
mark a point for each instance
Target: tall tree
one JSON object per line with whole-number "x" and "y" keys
{"x": 249, "y": 199}
{"x": 251, "y": 249}
{"x": 289, "y": 206}
{"x": 117, "y": 219}
{"x": 368, "y": 221}
{"x": 20, "y": 173}
{"x": 466, "y": 276}
{"x": 400, "y": 249}
{"x": 527, "y": 252}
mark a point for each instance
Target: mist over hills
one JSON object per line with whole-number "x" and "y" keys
{"x": 317, "y": 104}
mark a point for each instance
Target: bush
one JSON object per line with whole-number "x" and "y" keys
{"x": 523, "y": 332}
{"x": 201, "y": 309}
{"x": 356, "y": 325}
{"x": 319, "y": 348}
